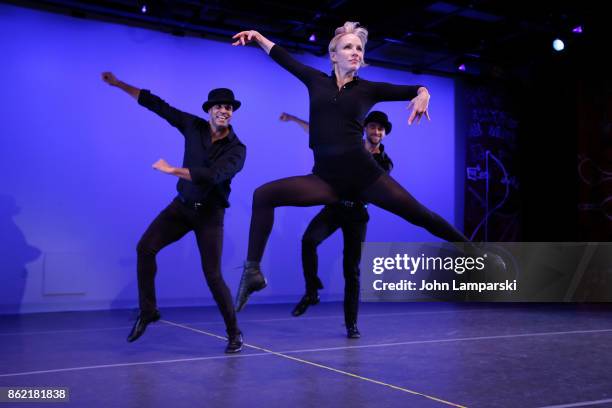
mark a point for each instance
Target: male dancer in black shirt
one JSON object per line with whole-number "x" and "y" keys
{"x": 213, "y": 156}
{"x": 352, "y": 218}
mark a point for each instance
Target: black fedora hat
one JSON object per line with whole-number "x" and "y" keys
{"x": 221, "y": 96}
{"x": 378, "y": 117}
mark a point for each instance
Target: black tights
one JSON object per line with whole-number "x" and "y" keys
{"x": 304, "y": 191}
{"x": 389, "y": 195}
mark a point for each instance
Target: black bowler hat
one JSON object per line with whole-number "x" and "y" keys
{"x": 221, "y": 96}
{"x": 378, "y": 117}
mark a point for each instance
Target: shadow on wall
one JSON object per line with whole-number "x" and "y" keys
{"x": 15, "y": 253}
{"x": 127, "y": 298}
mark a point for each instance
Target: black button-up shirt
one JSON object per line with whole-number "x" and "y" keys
{"x": 383, "y": 159}
{"x": 211, "y": 165}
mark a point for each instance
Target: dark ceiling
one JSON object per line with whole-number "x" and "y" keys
{"x": 491, "y": 38}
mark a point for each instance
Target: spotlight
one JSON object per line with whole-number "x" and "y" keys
{"x": 577, "y": 30}
{"x": 460, "y": 64}
{"x": 558, "y": 45}
{"x": 312, "y": 38}
{"x": 144, "y": 8}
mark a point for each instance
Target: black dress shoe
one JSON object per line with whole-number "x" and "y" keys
{"x": 352, "y": 332}
{"x": 234, "y": 343}
{"x": 303, "y": 304}
{"x": 141, "y": 324}
{"x": 252, "y": 281}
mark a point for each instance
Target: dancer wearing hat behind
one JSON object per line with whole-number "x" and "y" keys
{"x": 352, "y": 218}
{"x": 213, "y": 156}
{"x": 343, "y": 167}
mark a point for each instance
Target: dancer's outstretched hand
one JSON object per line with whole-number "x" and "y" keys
{"x": 245, "y": 37}
{"x": 419, "y": 107}
{"x": 110, "y": 78}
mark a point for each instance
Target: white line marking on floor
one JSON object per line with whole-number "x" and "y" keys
{"x": 580, "y": 404}
{"x": 93, "y": 367}
{"x": 218, "y": 321}
{"x": 335, "y": 370}
{"x": 412, "y": 342}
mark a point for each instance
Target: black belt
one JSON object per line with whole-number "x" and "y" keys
{"x": 195, "y": 205}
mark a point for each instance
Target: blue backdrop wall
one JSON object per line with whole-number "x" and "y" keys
{"x": 77, "y": 187}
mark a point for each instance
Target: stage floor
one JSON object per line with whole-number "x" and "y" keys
{"x": 409, "y": 355}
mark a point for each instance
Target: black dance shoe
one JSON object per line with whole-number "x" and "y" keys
{"x": 234, "y": 343}
{"x": 302, "y": 306}
{"x": 352, "y": 332}
{"x": 252, "y": 281}
{"x": 141, "y": 324}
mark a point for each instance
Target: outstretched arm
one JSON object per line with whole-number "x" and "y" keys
{"x": 177, "y": 118}
{"x": 417, "y": 94}
{"x": 285, "y": 117}
{"x": 303, "y": 72}
{"x": 245, "y": 37}
{"x": 112, "y": 80}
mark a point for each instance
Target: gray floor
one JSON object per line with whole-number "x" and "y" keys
{"x": 410, "y": 355}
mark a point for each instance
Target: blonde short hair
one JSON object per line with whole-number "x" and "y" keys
{"x": 350, "y": 27}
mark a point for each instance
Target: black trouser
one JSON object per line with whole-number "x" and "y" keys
{"x": 169, "y": 226}
{"x": 353, "y": 222}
